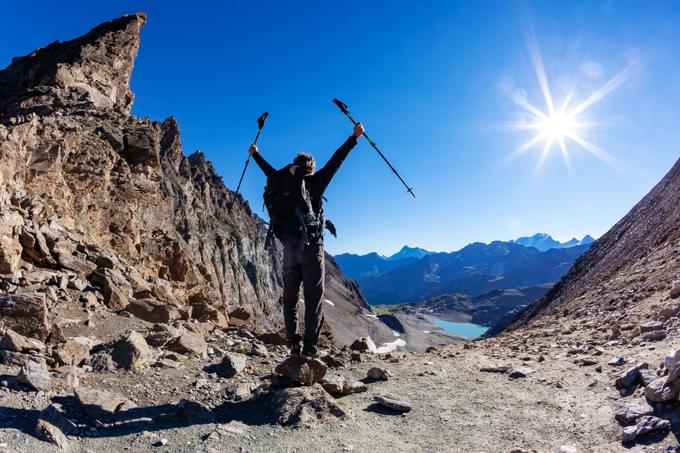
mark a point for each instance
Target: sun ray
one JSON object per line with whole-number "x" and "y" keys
{"x": 611, "y": 85}
{"x": 559, "y": 124}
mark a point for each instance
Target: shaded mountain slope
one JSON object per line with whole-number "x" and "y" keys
{"x": 629, "y": 270}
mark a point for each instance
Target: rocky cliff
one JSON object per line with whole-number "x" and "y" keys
{"x": 103, "y": 211}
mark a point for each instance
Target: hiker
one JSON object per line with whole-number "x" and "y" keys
{"x": 294, "y": 198}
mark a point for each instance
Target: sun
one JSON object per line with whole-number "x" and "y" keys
{"x": 558, "y": 126}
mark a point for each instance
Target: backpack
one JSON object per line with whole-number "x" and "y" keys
{"x": 288, "y": 203}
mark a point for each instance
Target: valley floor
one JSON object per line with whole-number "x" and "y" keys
{"x": 560, "y": 406}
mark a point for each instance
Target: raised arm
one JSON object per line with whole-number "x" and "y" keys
{"x": 263, "y": 164}
{"x": 326, "y": 173}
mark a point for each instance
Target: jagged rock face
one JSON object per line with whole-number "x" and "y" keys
{"x": 102, "y": 199}
{"x": 627, "y": 275}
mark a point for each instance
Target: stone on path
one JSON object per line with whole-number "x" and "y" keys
{"x": 35, "y": 375}
{"x": 364, "y": 344}
{"x": 520, "y": 372}
{"x": 98, "y": 402}
{"x": 393, "y": 402}
{"x": 628, "y": 378}
{"x": 233, "y": 363}
{"x": 303, "y": 371}
{"x": 377, "y": 374}
{"x": 132, "y": 351}
{"x": 661, "y": 390}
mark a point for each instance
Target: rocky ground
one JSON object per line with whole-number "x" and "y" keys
{"x": 536, "y": 388}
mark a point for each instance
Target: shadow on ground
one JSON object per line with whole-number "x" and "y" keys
{"x": 73, "y": 420}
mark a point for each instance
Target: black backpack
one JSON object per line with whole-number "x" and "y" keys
{"x": 289, "y": 205}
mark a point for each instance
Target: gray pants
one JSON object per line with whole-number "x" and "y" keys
{"x": 303, "y": 265}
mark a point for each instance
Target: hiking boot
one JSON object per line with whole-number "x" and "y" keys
{"x": 295, "y": 350}
{"x": 309, "y": 352}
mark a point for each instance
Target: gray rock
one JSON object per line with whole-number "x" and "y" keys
{"x": 521, "y": 372}
{"x": 647, "y": 376}
{"x": 651, "y": 326}
{"x": 655, "y": 335}
{"x": 259, "y": 350}
{"x": 629, "y": 377}
{"x": 661, "y": 391}
{"x": 334, "y": 384}
{"x": 233, "y": 363}
{"x": 305, "y": 406}
{"x": 35, "y": 375}
{"x": 617, "y": 361}
{"x": 393, "y": 402}
{"x": 300, "y": 370}
{"x": 74, "y": 351}
{"x": 628, "y": 413}
{"x": 645, "y": 425}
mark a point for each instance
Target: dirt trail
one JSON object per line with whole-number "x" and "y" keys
{"x": 456, "y": 407}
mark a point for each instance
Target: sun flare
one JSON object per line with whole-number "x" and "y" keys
{"x": 557, "y": 128}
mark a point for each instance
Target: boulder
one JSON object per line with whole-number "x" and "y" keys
{"x": 661, "y": 390}
{"x": 275, "y": 338}
{"x": 629, "y": 377}
{"x": 162, "y": 335}
{"x": 300, "y": 370}
{"x": 363, "y": 344}
{"x": 645, "y": 425}
{"x": 97, "y": 402}
{"x": 35, "y": 375}
{"x": 131, "y": 351}
{"x": 334, "y": 384}
{"x": 305, "y": 406}
{"x": 46, "y": 431}
{"x": 239, "y": 316}
{"x": 26, "y": 314}
{"x": 654, "y": 335}
{"x": 189, "y": 343}
{"x": 205, "y": 312}
{"x": 393, "y": 402}
{"x": 233, "y": 363}
{"x": 10, "y": 254}
{"x": 377, "y": 374}
{"x": 675, "y": 290}
{"x": 114, "y": 297}
{"x": 12, "y": 341}
{"x": 651, "y": 326}
{"x": 631, "y": 410}
{"x": 154, "y": 311}
{"x": 74, "y": 351}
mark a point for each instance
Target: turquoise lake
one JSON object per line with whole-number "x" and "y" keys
{"x": 464, "y": 329}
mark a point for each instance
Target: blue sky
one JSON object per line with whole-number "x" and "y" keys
{"x": 433, "y": 82}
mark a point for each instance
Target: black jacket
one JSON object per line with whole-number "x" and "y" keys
{"x": 316, "y": 184}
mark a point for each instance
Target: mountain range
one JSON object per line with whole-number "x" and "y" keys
{"x": 543, "y": 242}
{"x": 475, "y": 269}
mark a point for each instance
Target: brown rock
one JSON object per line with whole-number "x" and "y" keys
{"x": 114, "y": 297}
{"x": 26, "y": 314}
{"x": 303, "y": 371}
{"x": 275, "y": 338}
{"x": 46, "y": 431}
{"x": 74, "y": 351}
{"x": 132, "y": 351}
{"x": 189, "y": 343}
{"x": 162, "y": 335}
{"x": 377, "y": 374}
{"x": 363, "y": 344}
{"x": 154, "y": 311}
{"x": 207, "y": 313}
{"x": 10, "y": 254}
{"x": 12, "y": 341}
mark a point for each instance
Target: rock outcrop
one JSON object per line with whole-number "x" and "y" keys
{"x": 103, "y": 210}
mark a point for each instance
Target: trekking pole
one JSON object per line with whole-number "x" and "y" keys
{"x": 260, "y": 124}
{"x": 344, "y": 109}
